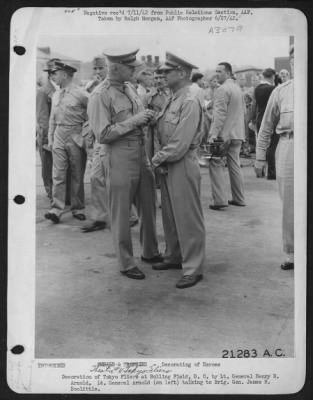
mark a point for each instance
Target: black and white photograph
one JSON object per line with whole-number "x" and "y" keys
{"x": 162, "y": 159}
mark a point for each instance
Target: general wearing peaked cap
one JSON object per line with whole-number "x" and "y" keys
{"x": 51, "y": 64}
{"x": 125, "y": 59}
{"x": 174, "y": 62}
{"x": 59, "y": 65}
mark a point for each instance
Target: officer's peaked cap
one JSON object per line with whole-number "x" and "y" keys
{"x": 175, "y": 62}
{"x": 126, "y": 59}
{"x": 51, "y": 64}
{"x": 59, "y": 65}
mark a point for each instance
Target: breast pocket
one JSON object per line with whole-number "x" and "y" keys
{"x": 121, "y": 111}
{"x": 171, "y": 118}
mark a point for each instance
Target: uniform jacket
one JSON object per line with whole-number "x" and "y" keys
{"x": 110, "y": 106}
{"x": 278, "y": 117}
{"x": 156, "y": 99}
{"x": 179, "y": 126}
{"x": 229, "y": 112}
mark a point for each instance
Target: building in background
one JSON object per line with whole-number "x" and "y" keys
{"x": 283, "y": 62}
{"x": 247, "y": 74}
{"x": 151, "y": 61}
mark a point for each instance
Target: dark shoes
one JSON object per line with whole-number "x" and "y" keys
{"x": 53, "y": 217}
{"x": 287, "y": 265}
{"x": 235, "y": 203}
{"x": 134, "y": 273}
{"x": 94, "y": 226}
{"x": 155, "y": 259}
{"x": 162, "y": 266}
{"x": 217, "y": 208}
{"x": 187, "y": 281}
{"x": 80, "y": 216}
{"x": 133, "y": 223}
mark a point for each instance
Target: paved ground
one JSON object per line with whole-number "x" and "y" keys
{"x": 85, "y": 308}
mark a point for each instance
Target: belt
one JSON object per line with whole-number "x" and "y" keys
{"x": 133, "y": 141}
{"x": 69, "y": 126}
{"x": 287, "y": 135}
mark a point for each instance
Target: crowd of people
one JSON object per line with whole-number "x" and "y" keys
{"x": 141, "y": 129}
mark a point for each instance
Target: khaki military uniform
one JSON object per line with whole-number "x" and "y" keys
{"x": 279, "y": 117}
{"x": 179, "y": 133}
{"x": 98, "y": 206}
{"x": 68, "y": 115}
{"x": 129, "y": 174}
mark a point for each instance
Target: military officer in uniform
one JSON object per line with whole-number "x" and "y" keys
{"x": 98, "y": 211}
{"x": 43, "y": 109}
{"x": 279, "y": 117}
{"x": 68, "y": 114}
{"x": 179, "y": 130}
{"x": 117, "y": 116}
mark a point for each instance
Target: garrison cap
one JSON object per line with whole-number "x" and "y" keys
{"x": 174, "y": 62}
{"x": 99, "y": 61}
{"x": 59, "y": 65}
{"x": 51, "y": 64}
{"x": 125, "y": 59}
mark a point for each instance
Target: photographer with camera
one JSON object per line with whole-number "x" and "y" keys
{"x": 228, "y": 124}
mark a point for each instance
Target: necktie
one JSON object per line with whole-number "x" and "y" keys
{"x": 126, "y": 91}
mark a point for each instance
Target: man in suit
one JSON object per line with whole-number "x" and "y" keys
{"x": 261, "y": 94}
{"x": 229, "y": 125}
{"x": 117, "y": 116}
{"x": 179, "y": 132}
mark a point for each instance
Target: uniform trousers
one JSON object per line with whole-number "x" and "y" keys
{"x": 67, "y": 154}
{"x": 98, "y": 209}
{"x": 285, "y": 180}
{"x": 46, "y": 162}
{"x": 182, "y": 214}
{"x": 216, "y": 168}
{"x": 130, "y": 180}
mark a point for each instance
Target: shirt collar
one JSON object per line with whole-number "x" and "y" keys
{"x": 265, "y": 83}
{"x": 67, "y": 89}
{"x": 116, "y": 83}
{"x": 180, "y": 92}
